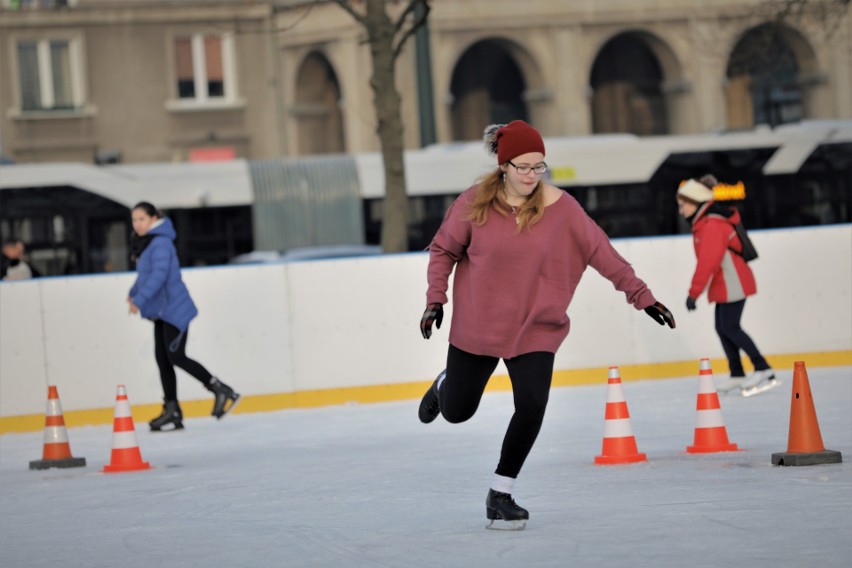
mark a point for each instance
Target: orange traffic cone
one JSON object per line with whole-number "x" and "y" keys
{"x": 804, "y": 442}
{"x": 125, "y": 449}
{"x": 57, "y": 450}
{"x": 619, "y": 444}
{"x": 710, "y": 433}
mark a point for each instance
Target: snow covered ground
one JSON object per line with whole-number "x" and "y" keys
{"x": 368, "y": 485}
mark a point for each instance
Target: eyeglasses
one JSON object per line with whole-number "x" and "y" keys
{"x": 524, "y": 170}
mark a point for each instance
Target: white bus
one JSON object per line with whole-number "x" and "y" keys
{"x": 75, "y": 217}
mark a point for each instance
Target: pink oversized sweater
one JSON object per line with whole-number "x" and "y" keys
{"x": 511, "y": 290}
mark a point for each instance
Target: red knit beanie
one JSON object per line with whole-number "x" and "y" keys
{"x": 517, "y": 138}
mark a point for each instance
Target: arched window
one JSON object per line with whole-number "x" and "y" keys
{"x": 763, "y": 78}
{"x": 487, "y": 88}
{"x": 627, "y": 82}
{"x": 317, "y": 109}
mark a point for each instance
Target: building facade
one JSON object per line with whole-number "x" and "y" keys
{"x": 183, "y": 80}
{"x": 136, "y": 81}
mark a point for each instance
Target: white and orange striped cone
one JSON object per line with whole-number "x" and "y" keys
{"x": 125, "y": 449}
{"x": 57, "y": 449}
{"x": 710, "y": 432}
{"x": 619, "y": 444}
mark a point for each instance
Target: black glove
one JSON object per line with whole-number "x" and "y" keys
{"x": 434, "y": 313}
{"x": 690, "y": 303}
{"x": 661, "y": 314}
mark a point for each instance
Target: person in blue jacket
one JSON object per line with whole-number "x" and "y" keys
{"x": 160, "y": 295}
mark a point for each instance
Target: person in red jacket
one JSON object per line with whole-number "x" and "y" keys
{"x": 519, "y": 247}
{"x": 730, "y": 279}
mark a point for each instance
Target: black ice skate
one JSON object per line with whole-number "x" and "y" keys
{"x": 430, "y": 408}
{"x": 504, "y": 513}
{"x": 226, "y": 398}
{"x": 170, "y": 419}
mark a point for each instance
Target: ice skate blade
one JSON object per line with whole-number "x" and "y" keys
{"x": 178, "y": 426}
{"x": 501, "y": 525}
{"x": 760, "y": 388}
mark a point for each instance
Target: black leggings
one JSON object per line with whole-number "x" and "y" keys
{"x": 531, "y": 375}
{"x": 165, "y": 335}
{"x": 734, "y": 338}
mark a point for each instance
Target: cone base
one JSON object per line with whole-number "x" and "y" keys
{"x": 613, "y": 460}
{"x": 808, "y": 458}
{"x": 120, "y": 468}
{"x": 64, "y": 462}
{"x": 712, "y": 449}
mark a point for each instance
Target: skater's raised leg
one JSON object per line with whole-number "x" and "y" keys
{"x": 457, "y": 391}
{"x": 430, "y": 406}
{"x": 226, "y": 398}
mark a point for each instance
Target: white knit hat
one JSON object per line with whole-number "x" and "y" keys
{"x": 695, "y": 191}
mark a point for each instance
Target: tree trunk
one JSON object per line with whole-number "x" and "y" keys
{"x": 387, "y": 101}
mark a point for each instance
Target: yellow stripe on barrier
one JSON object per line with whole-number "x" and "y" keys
{"x": 408, "y": 391}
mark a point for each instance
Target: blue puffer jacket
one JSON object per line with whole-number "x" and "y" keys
{"x": 159, "y": 291}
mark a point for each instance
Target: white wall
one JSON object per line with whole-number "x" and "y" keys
{"x": 354, "y": 322}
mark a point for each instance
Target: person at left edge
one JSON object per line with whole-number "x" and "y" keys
{"x": 13, "y": 262}
{"x": 519, "y": 247}
{"x": 160, "y": 295}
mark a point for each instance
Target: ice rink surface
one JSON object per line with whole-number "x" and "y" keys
{"x": 368, "y": 485}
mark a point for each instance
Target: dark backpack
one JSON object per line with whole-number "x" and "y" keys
{"x": 748, "y": 252}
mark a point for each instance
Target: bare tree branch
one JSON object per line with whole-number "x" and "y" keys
{"x": 828, "y": 13}
{"x": 415, "y": 25}
{"x": 386, "y": 39}
{"x": 401, "y": 20}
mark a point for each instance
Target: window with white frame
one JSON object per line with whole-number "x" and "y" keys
{"x": 204, "y": 68}
{"x": 50, "y": 74}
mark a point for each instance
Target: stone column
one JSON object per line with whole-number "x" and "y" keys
{"x": 678, "y": 98}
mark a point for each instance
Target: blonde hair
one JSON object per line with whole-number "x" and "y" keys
{"x": 491, "y": 191}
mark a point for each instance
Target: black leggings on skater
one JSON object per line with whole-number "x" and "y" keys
{"x": 531, "y": 374}
{"x": 165, "y": 335}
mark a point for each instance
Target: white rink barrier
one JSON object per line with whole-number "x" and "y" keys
{"x": 332, "y": 324}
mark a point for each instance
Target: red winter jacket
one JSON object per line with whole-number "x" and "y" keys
{"x": 729, "y": 276}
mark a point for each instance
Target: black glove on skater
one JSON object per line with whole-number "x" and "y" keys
{"x": 434, "y": 313}
{"x": 661, "y": 314}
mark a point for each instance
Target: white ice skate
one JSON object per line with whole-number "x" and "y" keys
{"x": 760, "y": 381}
{"x": 732, "y": 384}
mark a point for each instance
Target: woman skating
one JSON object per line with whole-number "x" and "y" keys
{"x": 728, "y": 279}
{"x": 519, "y": 247}
{"x": 160, "y": 295}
